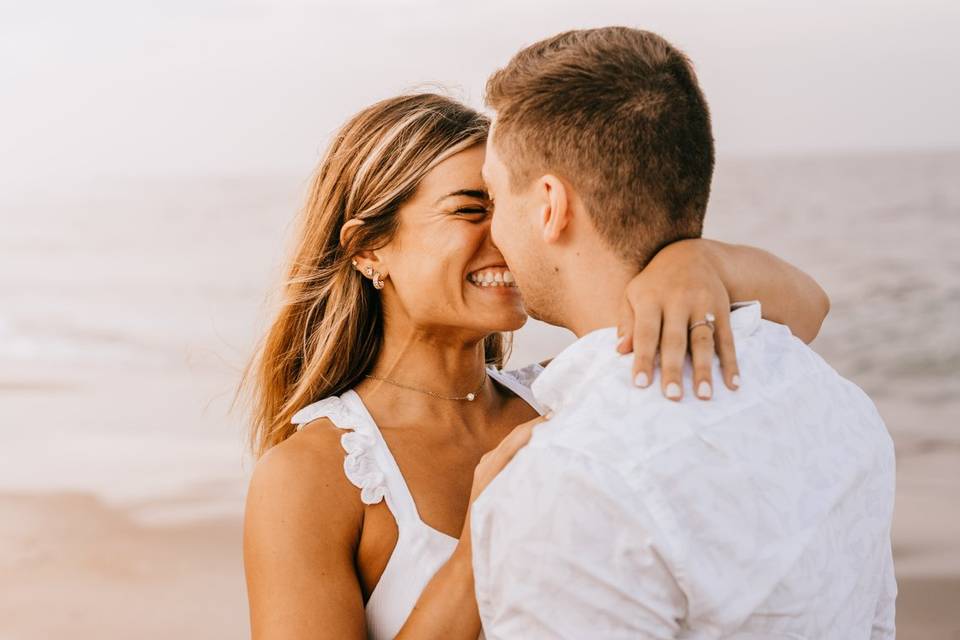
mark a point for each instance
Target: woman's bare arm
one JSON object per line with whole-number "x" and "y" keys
{"x": 447, "y": 608}
{"x": 788, "y": 295}
{"x": 301, "y": 528}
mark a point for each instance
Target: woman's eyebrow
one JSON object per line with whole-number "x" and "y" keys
{"x": 480, "y": 194}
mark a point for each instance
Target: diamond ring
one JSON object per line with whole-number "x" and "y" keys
{"x": 708, "y": 321}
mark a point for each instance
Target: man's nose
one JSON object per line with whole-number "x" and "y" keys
{"x": 493, "y": 243}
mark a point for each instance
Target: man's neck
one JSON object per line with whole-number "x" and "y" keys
{"x": 594, "y": 289}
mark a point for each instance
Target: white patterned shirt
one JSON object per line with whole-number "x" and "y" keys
{"x": 763, "y": 513}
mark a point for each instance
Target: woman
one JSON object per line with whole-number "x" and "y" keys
{"x": 390, "y": 365}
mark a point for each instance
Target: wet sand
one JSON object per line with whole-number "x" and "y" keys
{"x": 73, "y": 567}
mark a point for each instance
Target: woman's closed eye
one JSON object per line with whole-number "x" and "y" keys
{"x": 472, "y": 211}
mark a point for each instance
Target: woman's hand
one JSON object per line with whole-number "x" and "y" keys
{"x": 678, "y": 287}
{"x": 690, "y": 278}
{"x": 493, "y": 461}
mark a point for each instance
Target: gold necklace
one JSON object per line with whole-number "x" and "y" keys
{"x": 470, "y": 397}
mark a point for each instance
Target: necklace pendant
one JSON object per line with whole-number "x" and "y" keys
{"x": 470, "y": 397}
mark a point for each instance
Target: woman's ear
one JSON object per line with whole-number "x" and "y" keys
{"x": 369, "y": 263}
{"x": 348, "y": 229}
{"x": 555, "y": 211}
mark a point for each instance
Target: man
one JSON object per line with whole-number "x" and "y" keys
{"x": 764, "y": 513}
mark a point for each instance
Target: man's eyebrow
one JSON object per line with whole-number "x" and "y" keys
{"x": 480, "y": 194}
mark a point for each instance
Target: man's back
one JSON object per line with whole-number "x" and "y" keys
{"x": 763, "y": 513}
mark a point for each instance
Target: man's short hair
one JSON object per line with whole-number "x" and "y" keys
{"x": 619, "y": 114}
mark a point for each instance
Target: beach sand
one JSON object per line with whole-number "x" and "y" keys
{"x": 926, "y": 529}
{"x": 73, "y": 566}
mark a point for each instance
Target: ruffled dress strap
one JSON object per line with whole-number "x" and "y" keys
{"x": 360, "y": 464}
{"x": 369, "y": 464}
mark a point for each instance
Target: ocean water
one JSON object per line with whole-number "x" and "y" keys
{"x": 881, "y": 234}
{"x": 128, "y": 308}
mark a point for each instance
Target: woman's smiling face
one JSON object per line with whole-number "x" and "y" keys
{"x": 442, "y": 266}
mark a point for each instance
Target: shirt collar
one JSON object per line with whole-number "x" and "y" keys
{"x": 597, "y": 351}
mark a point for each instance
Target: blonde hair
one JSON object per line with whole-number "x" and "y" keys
{"x": 328, "y": 330}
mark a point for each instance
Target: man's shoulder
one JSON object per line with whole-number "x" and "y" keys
{"x": 548, "y": 469}
{"x": 608, "y": 420}
{"x": 790, "y": 400}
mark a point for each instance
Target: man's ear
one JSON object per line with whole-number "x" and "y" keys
{"x": 555, "y": 210}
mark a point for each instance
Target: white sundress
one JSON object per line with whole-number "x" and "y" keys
{"x": 421, "y": 550}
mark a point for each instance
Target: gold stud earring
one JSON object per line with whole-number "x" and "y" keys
{"x": 368, "y": 271}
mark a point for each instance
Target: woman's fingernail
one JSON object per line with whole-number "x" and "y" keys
{"x": 735, "y": 380}
{"x": 547, "y": 415}
{"x": 704, "y": 390}
{"x": 673, "y": 391}
{"x": 642, "y": 380}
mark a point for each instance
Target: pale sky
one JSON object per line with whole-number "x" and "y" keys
{"x": 129, "y": 87}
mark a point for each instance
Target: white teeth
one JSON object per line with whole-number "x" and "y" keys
{"x": 499, "y": 278}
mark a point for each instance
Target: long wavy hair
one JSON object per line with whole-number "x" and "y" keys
{"x": 328, "y": 329}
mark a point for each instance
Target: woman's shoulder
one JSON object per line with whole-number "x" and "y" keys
{"x": 300, "y": 499}
{"x": 308, "y": 465}
{"x": 334, "y": 434}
